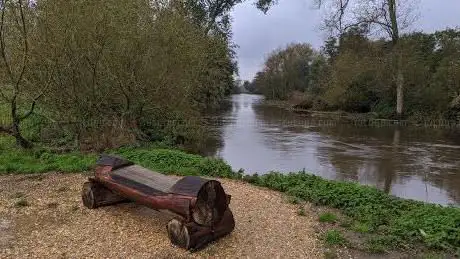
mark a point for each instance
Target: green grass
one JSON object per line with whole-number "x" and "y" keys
{"x": 327, "y": 217}
{"x": 178, "y": 162}
{"x": 38, "y": 160}
{"x": 409, "y": 222}
{"x": 361, "y": 227}
{"x": 334, "y": 237}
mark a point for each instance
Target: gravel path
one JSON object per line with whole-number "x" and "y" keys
{"x": 54, "y": 224}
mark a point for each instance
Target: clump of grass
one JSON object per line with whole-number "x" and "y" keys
{"x": 22, "y": 202}
{"x": 334, "y": 237}
{"x": 301, "y": 211}
{"x": 327, "y": 217}
{"x": 361, "y": 227}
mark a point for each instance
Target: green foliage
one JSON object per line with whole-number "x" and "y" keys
{"x": 13, "y": 160}
{"x": 410, "y": 221}
{"x": 288, "y": 70}
{"x": 361, "y": 227}
{"x": 356, "y": 74}
{"x": 327, "y": 217}
{"x": 381, "y": 244}
{"x": 114, "y": 72}
{"x": 40, "y": 160}
{"x": 334, "y": 237}
{"x": 178, "y": 162}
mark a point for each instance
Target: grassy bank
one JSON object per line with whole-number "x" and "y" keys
{"x": 40, "y": 160}
{"x": 386, "y": 222}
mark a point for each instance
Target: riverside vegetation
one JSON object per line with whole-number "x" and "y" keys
{"x": 388, "y": 223}
{"x": 373, "y": 62}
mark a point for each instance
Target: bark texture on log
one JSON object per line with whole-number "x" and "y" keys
{"x": 95, "y": 195}
{"x": 192, "y": 236}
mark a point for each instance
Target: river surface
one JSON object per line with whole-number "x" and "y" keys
{"x": 409, "y": 162}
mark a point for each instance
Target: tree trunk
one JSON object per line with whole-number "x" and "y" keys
{"x": 399, "y": 66}
{"x": 399, "y": 88}
{"x": 20, "y": 140}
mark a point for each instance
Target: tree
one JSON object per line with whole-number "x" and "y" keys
{"x": 15, "y": 27}
{"x": 390, "y": 16}
{"x": 125, "y": 70}
{"x": 287, "y": 70}
{"x": 212, "y": 15}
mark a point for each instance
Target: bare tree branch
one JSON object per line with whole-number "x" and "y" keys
{"x": 2, "y": 41}
{"x": 3, "y": 96}
{"x": 26, "y": 49}
{"x": 32, "y": 107}
{"x": 5, "y": 129}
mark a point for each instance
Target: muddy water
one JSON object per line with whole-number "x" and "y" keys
{"x": 415, "y": 163}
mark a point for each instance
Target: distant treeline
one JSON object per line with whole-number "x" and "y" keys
{"x": 99, "y": 74}
{"x": 355, "y": 73}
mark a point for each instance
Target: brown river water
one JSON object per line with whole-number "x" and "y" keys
{"x": 410, "y": 162}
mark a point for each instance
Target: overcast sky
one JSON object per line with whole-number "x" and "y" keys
{"x": 257, "y": 34}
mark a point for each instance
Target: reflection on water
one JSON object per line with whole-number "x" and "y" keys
{"x": 413, "y": 163}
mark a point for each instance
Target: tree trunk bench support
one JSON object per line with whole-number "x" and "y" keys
{"x": 200, "y": 205}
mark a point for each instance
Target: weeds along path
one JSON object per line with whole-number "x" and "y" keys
{"x": 44, "y": 217}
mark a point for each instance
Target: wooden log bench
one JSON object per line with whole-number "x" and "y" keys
{"x": 200, "y": 205}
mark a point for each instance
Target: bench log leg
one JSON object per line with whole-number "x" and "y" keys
{"x": 95, "y": 195}
{"x": 191, "y": 236}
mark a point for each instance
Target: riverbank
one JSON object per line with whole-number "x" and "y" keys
{"x": 361, "y": 218}
{"x": 361, "y": 119}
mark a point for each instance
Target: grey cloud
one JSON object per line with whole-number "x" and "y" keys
{"x": 298, "y": 21}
